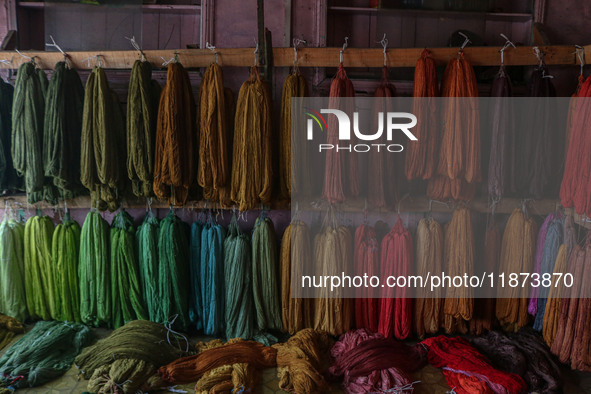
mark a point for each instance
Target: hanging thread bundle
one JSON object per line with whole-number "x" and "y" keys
{"x": 366, "y": 259}
{"x": 126, "y": 359}
{"x": 295, "y": 85}
{"x": 12, "y": 270}
{"x": 147, "y": 247}
{"x": 340, "y": 175}
{"x": 214, "y": 138}
{"x": 175, "y": 154}
{"x": 128, "y": 302}
{"x": 429, "y": 257}
{"x": 94, "y": 272}
{"x": 9, "y": 180}
{"x": 212, "y": 279}
{"x": 252, "y": 172}
{"x": 103, "y": 143}
{"x": 28, "y": 108}
{"x": 396, "y": 257}
{"x": 421, "y": 155}
{"x": 65, "y": 250}
{"x": 517, "y": 255}
{"x": 44, "y": 353}
{"x": 42, "y": 301}
{"x": 142, "y": 109}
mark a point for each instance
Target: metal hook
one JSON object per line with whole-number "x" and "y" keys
{"x": 212, "y": 48}
{"x": 137, "y": 47}
{"x": 580, "y": 52}
{"x": 465, "y": 43}
{"x": 384, "y": 42}
{"x": 540, "y": 55}
{"x": 345, "y": 45}
{"x": 508, "y": 44}
{"x": 296, "y": 42}
{"x": 256, "y": 53}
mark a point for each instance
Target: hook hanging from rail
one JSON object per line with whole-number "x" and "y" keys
{"x": 580, "y": 52}
{"x": 465, "y": 43}
{"x": 345, "y": 45}
{"x": 384, "y": 42}
{"x": 53, "y": 44}
{"x": 256, "y": 53}
{"x": 137, "y": 47}
{"x": 296, "y": 42}
{"x": 508, "y": 44}
{"x": 212, "y": 48}
{"x": 540, "y": 55}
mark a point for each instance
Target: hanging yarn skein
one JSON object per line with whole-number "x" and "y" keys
{"x": 176, "y": 138}
{"x": 40, "y": 286}
{"x": 252, "y": 172}
{"x": 532, "y": 306}
{"x": 128, "y": 302}
{"x": 65, "y": 251}
{"x": 458, "y": 260}
{"x": 332, "y": 255}
{"x": 421, "y": 155}
{"x": 214, "y": 164}
{"x": 64, "y": 104}
{"x": 366, "y": 259}
{"x": 103, "y": 143}
{"x": 239, "y": 313}
{"x": 429, "y": 257}
{"x": 12, "y": 269}
{"x": 295, "y": 253}
{"x": 517, "y": 255}
{"x": 212, "y": 279}
{"x": 295, "y": 85}
{"x": 173, "y": 272}
{"x": 28, "y": 109}
{"x": 147, "y": 241}
{"x": 142, "y": 110}
{"x": 94, "y": 272}
{"x": 265, "y": 278}
{"x": 341, "y": 174}
{"x": 195, "y": 302}
{"x": 43, "y": 354}
{"x": 396, "y": 257}
{"x": 9, "y": 180}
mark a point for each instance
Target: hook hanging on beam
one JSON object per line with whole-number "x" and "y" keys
{"x": 345, "y": 45}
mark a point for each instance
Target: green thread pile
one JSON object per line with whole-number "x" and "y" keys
{"x": 42, "y": 301}
{"x": 142, "y": 112}
{"x": 103, "y": 143}
{"x": 43, "y": 354}
{"x": 128, "y": 302}
{"x": 64, "y": 103}
{"x": 94, "y": 271}
{"x": 65, "y": 250}
{"x": 126, "y": 359}
{"x": 12, "y": 269}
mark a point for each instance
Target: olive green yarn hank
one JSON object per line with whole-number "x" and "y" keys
{"x": 12, "y": 269}
{"x": 128, "y": 302}
{"x": 102, "y": 143}
{"x": 65, "y": 250}
{"x": 265, "y": 279}
{"x": 142, "y": 111}
{"x": 62, "y": 128}
{"x": 147, "y": 241}
{"x": 94, "y": 271}
{"x": 173, "y": 271}
{"x": 43, "y": 354}
{"x": 42, "y": 297}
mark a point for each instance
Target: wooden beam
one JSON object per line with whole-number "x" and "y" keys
{"x": 307, "y": 57}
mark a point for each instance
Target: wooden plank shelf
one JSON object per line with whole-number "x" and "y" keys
{"x": 307, "y": 57}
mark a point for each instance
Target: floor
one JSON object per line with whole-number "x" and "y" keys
{"x": 430, "y": 379}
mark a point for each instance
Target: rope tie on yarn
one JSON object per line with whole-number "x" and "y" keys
{"x": 169, "y": 331}
{"x": 110, "y": 386}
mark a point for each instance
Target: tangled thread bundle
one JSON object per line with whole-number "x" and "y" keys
{"x": 12, "y": 270}
{"x": 366, "y": 259}
{"x": 525, "y": 354}
{"x": 126, "y": 295}
{"x": 332, "y": 254}
{"x": 396, "y": 257}
{"x": 94, "y": 272}
{"x": 252, "y": 172}
{"x": 517, "y": 255}
{"x": 429, "y": 256}
{"x": 103, "y": 143}
{"x": 371, "y": 363}
{"x": 421, "y": 155}
{"x": 44, "y": 353}
{"x": 175, "y": 159}
{"x": 466, "y": 370}
{"x": 142, "y": 109}
{"x": 127, "y": 358}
